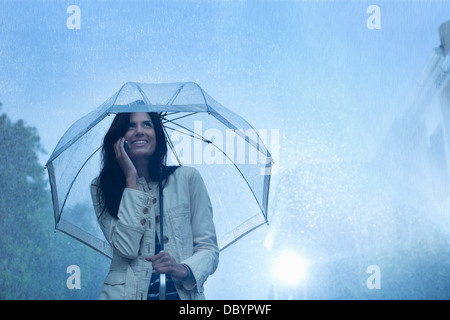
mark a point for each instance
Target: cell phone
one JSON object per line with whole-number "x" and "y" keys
{"x": 125, "y": 146}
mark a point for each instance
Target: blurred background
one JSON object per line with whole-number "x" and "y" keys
{"x": 358, "y": 92}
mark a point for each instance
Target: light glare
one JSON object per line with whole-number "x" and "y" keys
{"x": 290, "y": 268}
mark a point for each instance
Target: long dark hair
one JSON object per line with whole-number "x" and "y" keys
{"x": 111, "y": 178}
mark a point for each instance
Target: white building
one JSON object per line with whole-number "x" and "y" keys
{"x": 418, "y": 143}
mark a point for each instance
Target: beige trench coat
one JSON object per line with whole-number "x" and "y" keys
{"x": 189, "y": 235}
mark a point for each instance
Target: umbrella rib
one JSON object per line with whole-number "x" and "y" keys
{"x": 73, "y": 180}
{"x": 181, "y": 117}
{"x": 203, "y": 95}
{"x": 170, "y": 113}
{"x": 193, "y": 135}
{"x": 197, "y": 136}
{"x": 146, "y": 100}
{"x": 169, "y": 141}
{"x": 175, "y": 95}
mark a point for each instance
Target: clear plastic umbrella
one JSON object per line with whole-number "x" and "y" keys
{"x": 227, "y": 151}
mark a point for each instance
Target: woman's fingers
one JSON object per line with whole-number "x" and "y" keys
{"x": 164, "y": 263}
{"x": 124, "y": 160}
{"x": 118, "y": 148}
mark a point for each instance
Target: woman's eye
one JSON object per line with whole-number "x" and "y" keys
{"x": 146, "y": 124}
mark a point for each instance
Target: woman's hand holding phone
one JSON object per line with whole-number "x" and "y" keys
{"x": 125, "y": 163}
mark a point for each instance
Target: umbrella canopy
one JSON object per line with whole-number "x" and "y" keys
{"x": 227, "y": 151}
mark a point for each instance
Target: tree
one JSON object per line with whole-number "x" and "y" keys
{"x": 33, "y": 258}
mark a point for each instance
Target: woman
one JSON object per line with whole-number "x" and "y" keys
{"x": 126, "y": 201}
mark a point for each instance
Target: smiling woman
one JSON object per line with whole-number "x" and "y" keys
{"x": 118, "y": 166}
{"x": 129, "y": 211}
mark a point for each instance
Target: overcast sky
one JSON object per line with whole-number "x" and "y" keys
{"x": 306, "y": 68}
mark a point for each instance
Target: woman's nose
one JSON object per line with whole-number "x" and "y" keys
{"x": 139, "y": 130}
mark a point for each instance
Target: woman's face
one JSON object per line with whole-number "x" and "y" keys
{"x": 140, "y": 135}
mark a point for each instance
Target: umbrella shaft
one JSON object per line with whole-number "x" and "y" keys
{"x": 162, "y": 276}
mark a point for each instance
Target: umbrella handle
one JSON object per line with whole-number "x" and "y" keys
{"x": 162, "y": 286}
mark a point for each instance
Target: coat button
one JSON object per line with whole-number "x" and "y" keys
{"x": 143, "y": 221}
{"x": 165, "y": 239}
{"x": 154, "y": 200}
{"x": 157, "y": 219}
{"x": 145, "y": 210}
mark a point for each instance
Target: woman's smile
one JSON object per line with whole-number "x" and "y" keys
{"x": 139, "y": 142}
